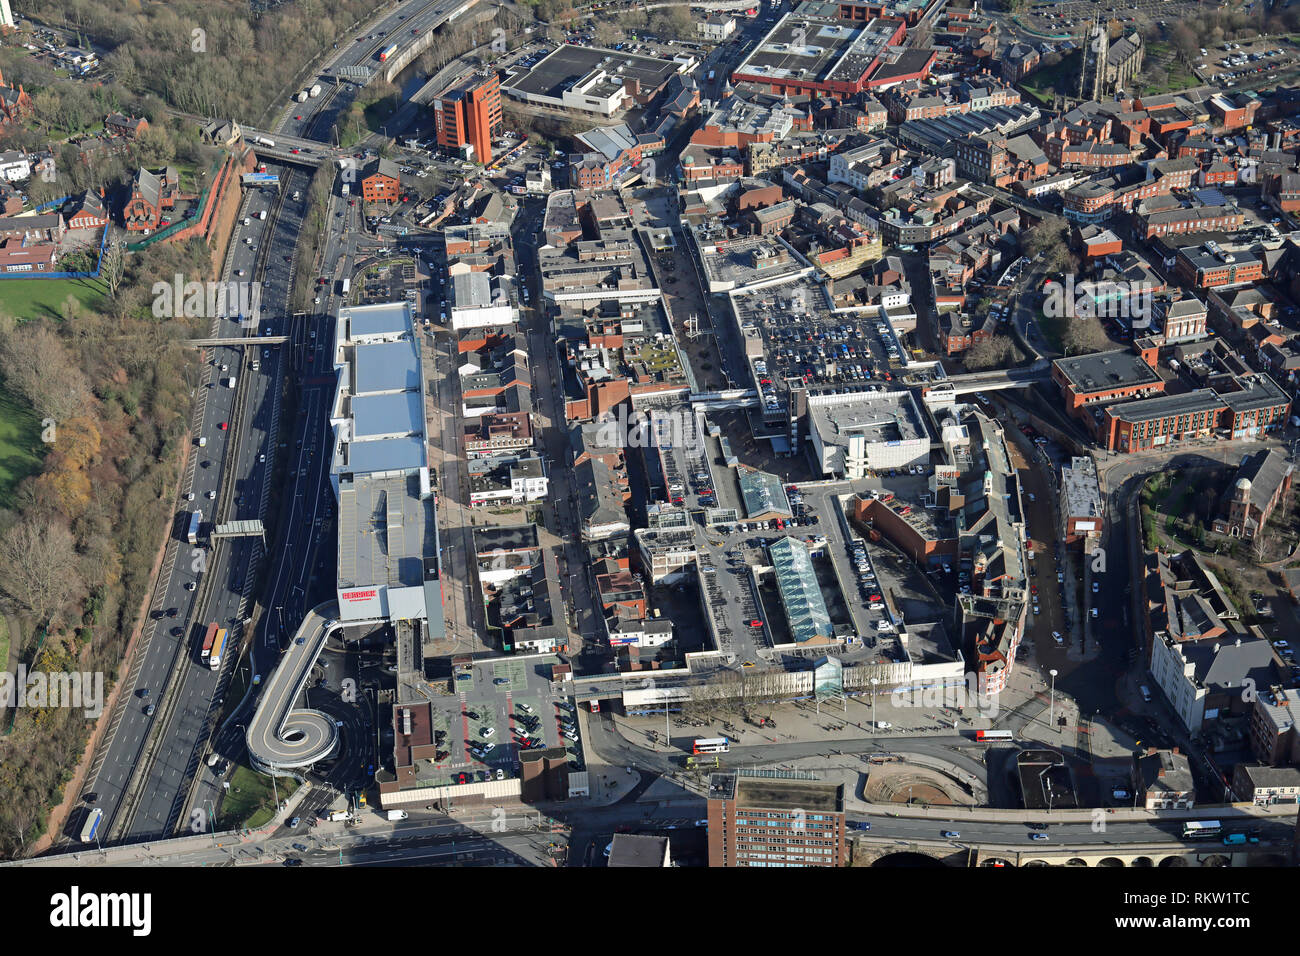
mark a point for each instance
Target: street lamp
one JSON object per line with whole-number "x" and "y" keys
{"x": 1051, "y": 712}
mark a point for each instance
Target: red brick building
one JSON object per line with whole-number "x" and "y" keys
{"x": 381, "y": 182}
{"x": 151, "y": 194}
{"x": 1101, "y": 378}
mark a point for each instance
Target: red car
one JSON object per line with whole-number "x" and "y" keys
{"x": 462, "y": 777}
{"x": 874, "y": 597}
{"x": 678, "y": 499}
{"x": 294, "y": 150}
{"x": 755, "y": 623}
{"x": 298, "y": 118}
{"x": 223, "y": 425}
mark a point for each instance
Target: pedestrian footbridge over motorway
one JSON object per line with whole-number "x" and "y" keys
{"x": 281, "y": 738}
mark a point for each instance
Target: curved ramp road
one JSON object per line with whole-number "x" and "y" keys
{"x": 280, "y": 737}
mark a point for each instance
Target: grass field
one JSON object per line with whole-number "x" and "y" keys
{"x": 21, "y": 448}
{"x": 44, "y": 298}
{"x": 250, "y": 801}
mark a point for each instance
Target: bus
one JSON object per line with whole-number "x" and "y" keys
{"x": 994, "y": 735}
{"x": 192, "y": 536}
{"x": 1201, "y": 829}
{"x": 91, "y": 828}
{"x": 218, "y": 652}
{"x": 711, "y": 745}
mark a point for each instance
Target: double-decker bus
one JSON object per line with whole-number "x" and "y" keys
{"x": 91, "y": 826}
{"x": 711, "y": 745}
{"x": 1201, "y": 829}
{"x": 994, "y": 735}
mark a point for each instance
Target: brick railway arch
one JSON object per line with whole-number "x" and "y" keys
{"x": 1142, "y": 861}
{"x": 1075, "y": 861}
{"x": 1173, "y": 861}
{"x": 1110, "y": 861}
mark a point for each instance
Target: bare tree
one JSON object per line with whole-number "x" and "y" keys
{"x": 38, "y": 566}
{"x": 1083, "y": 334}
{"x": 37, "y": 365}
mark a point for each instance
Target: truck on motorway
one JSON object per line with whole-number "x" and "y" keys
{"x": 387, "y": 51}
{"x": 315, "y": 90}
{"x": 346, "y": 189}
{"x": 209, "y": 635}
{"x": 397, "y": 814}
{"x": 192, "y": 535}
{"x": 302, "y": 96}
{"x": 218, "y": 652}
{"x": 230, "y": 382}
{"x": 264, "y": 141}
{"x": 91, "y": 827}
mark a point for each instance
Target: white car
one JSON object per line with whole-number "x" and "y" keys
{"x": 884, "y": 626}
{"x": 1056, "y": 636}
{"x": 883, "y": 725}
{"x": 488, "y": 731}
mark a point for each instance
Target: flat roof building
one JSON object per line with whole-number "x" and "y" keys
{"x": 765, "y": 818}
{"x": 388, "y": 553}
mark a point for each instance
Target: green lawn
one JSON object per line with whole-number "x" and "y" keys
{"x": 21, "y": 448}
{"x": 250, "y": 801}
{"x": 1061, "y": 78}
{"x": 44, "y": 298}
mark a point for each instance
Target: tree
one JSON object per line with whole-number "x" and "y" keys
{"x": 1083, "y": 334}
{"x": 995, "y": 352}
{"x": 38, "y": 566}
{"x": 112, "y": 267}
{"x": 37, "y": 365}
{"x": 1050, "y": 240}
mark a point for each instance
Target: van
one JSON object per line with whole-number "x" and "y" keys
{"x": 1146, "y": 693}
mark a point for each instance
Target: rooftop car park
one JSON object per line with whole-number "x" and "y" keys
{"x": 801, "y": 342}
{"x": 498, "y": 709}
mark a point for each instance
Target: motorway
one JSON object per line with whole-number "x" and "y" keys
{"x": 231, "y": 469}
{"x": 163, "y": 752}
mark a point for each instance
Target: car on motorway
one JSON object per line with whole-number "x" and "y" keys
{"x": 1039, "y": 837}
{"x": 755, "y": 623}
{"x": 292, "y": 861}
{"x": 300, "y": 641}
{"x": 1036, "y": 826}
{"x": 148, "y": 710}
{"x": 950, "y": 835}
{"x": 223, "y": 425}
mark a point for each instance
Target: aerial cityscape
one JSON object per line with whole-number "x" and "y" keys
{"x": 479, "y": 433}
